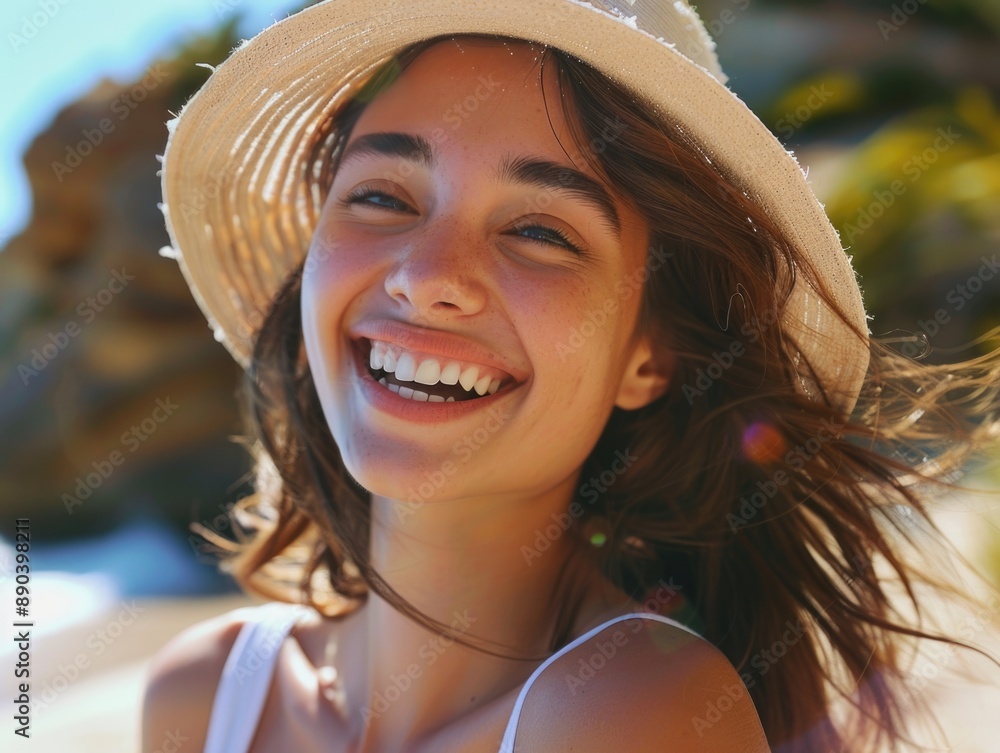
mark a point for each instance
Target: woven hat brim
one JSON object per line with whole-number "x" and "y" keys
{"x": 241, "y": 215}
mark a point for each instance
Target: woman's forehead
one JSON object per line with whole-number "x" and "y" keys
{"x": 492, "y": 95}
{"x": 447, "y": 65}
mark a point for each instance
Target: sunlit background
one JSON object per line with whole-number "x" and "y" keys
{"x": 892, "y": 106}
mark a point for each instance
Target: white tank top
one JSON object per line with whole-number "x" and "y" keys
{"x": 246, "y": 677}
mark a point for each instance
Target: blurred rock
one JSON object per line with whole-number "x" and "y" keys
{"x": 98, "y": 332}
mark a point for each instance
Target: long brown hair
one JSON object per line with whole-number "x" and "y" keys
{"x": 780, "y": 521}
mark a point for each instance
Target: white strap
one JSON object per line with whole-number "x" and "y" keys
{"x": 507, "y": 744}
{"x": 246, "y": 677}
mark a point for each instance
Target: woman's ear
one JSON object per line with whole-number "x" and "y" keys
{"x": 646, "y": 377}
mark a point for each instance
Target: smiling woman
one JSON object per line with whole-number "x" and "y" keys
{"x": 678, "y": 528}
{"x": 457, "y": 248}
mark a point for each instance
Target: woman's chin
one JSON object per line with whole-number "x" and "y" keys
{"x": 412, "y": 483}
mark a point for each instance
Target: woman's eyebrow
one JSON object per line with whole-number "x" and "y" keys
{"x": 552, "y": 176}
{"x": 538, "y": 172}
{"x": 405, "y": 145}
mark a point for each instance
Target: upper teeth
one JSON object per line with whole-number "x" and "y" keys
{"x": 413, "y": 367}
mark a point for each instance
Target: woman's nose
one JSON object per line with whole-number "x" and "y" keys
{"x": 440, "y": 272}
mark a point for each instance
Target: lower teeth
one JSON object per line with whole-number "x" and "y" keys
{"x": 412, "y": 394}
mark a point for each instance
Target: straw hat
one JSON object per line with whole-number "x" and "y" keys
{"x": 241, "y": 200}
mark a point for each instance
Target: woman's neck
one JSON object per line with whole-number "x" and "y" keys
{"x": 497, "y": 569}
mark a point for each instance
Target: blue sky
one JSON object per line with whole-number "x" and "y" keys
{"x": 52, "y": 51}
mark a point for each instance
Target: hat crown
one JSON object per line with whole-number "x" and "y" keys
{"x": 675, "y": 23}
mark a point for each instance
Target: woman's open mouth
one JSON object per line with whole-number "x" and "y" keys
{"x": 426, "y": 378}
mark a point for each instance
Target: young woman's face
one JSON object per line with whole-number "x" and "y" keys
{"x": 457, "y": 230}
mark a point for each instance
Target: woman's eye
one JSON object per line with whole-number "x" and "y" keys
{"x": 375, "y": 198}
{"x": 547, "y": 235}
{"x": 542, "y": 234}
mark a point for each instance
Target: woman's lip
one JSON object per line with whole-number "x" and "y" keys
{"x": 386, "y": 401}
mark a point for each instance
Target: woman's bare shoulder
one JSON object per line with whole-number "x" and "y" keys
{"x": 182, "y": 680}
{"x": 637, "y": 683}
